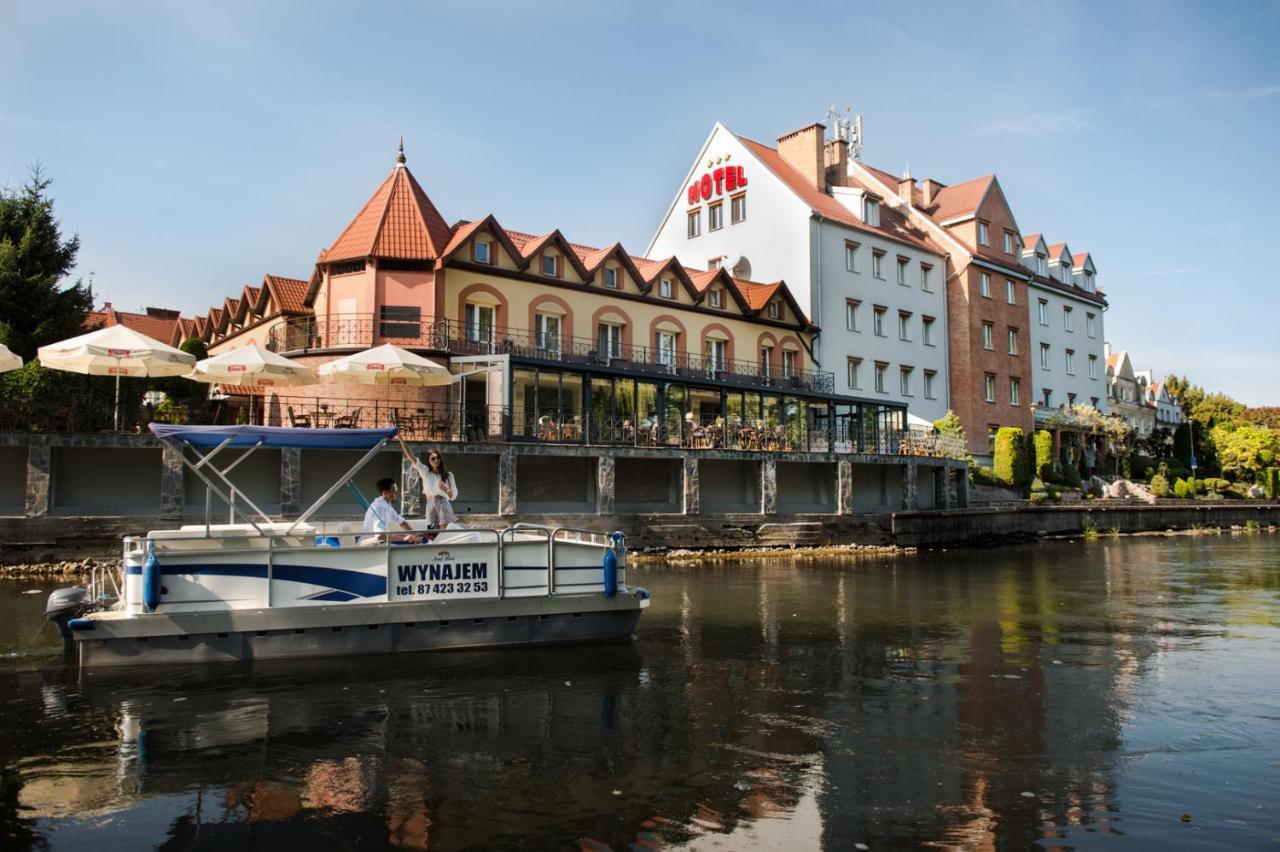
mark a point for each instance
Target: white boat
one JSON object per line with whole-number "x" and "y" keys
{"x": 262, "y": 589}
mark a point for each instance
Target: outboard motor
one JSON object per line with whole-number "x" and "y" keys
{"x": 64, "y": 605}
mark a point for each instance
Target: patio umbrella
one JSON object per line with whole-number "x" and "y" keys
{"x": 252, "y": 367}
{"x": 8, "y": 361}
{"x": 387, "y": 365}
{"x": 116, "y": 350}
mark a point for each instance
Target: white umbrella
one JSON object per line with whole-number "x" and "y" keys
{"x": 8, "y": 361}
{"x": 116, "y": 350}
{"x": 387, "y": 365}
{"x": 252, "y": 367}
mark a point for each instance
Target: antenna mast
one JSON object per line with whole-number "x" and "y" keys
{"x": 848, "y": 128}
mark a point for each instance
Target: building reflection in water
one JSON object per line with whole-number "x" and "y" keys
{"x": 976, "y": 703}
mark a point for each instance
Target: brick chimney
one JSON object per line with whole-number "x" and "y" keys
{"x": 931, "y": 188}
{"x": 802, "y": 150}
{"x": 836, "y": 159}
{"x": 906, "y": 185}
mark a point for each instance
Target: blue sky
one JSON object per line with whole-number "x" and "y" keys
{"x": 196, "y": 146}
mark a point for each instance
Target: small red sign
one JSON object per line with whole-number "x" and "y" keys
{"x": 119, "y": 353}
{"x": 717, "y": 182}
{"x": 265, "y": 382}
{"x": 236, "y": 368}
{"x": 117, "y": 371}
{"x": 395, "y": 381}
{"x": 375, "y": 366}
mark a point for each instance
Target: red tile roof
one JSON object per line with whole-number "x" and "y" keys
{"x": 398, "y": 221}
{"x": 757, "y": 295}
{"x": 892, "y": 223}
{"x": 289, "y": 294}
{"x": 1056, "y": 249}
{"x": 156, "y": 323}
{"x": 962, "y": 199}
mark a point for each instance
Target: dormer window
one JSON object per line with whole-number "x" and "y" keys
{"x": 1088, "y": 281}
{"x": 982, "y": 233}
{"x": 1042, "y": 264}
{"x": 551, "y": 265}
{"x": 481, "y": 252}
{"x": 716, "y": 300}
{"x": 665, "y": 289}
{"x": 1008, "y": 242}
{"x": 871, "y": 212}
{"x": 775, "y": 310}
{"x": 611, "y": 277}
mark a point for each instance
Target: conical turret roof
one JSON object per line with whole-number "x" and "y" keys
{"x": 398, "y": 221}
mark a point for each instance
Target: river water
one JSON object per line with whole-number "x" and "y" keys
{"x": 1119, "y": 693}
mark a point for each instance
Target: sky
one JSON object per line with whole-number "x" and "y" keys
{"x": 196, "y": 146}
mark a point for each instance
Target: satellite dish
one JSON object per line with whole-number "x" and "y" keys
{"x": 741, "y": 267}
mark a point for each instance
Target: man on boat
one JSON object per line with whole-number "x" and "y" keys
{"x": 382, "y": 515}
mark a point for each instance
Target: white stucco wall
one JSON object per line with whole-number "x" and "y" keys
{"x": 1060, "y": 340}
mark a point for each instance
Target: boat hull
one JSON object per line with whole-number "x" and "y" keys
{"x": 355, "y": 629}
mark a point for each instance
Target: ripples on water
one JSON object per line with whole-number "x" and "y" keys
{"x": 1059, "y": 695}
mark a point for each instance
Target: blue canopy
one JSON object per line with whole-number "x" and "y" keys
{"x": 208, "y": 437}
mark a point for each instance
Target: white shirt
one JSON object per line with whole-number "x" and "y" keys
{"x": 381, "y": 516}
{"x": 433, "y": 483}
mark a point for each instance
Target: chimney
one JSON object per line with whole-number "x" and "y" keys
{"x": 836, "y": 159}
{"x": 802, "y": 150}
{"x": 906, "y": 184}
{"x": 931, "y": 188}
{"x": 106, "y": 306}
{"x": 162, "y": 313}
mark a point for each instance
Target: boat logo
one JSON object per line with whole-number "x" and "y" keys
{"x": 444, "y": 556}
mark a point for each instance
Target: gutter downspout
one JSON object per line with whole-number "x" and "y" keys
{"x": 815, "y": 284}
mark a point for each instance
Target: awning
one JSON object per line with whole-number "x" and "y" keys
{"x": 208, "y": 437}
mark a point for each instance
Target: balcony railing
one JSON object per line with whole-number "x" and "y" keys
{"x": 298, "y": 336}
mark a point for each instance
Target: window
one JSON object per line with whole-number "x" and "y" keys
{"x": 665, "y": 289}
{"x": 877, "y": 321}
{"x": 904, "y": 325}
{"x": 926, "y": 330}
{"x": 1071, "y": 399}
{"x": 1090, "y": 324}
{"x": 881, "y": 369}
{"x": 1013, "y": 341}
{"x": 1042, "y": 264}
{"x": 480, "y": 251}
{"x": 695, "y": 223}
{"x": 738, "y": 209}
{"x": 346, "y": 268}
{"x": 547, "y": 330}
{"x": 1044, "y": 356}
{"x": 1071, "y": 362}
{"x": 715, "y": 217}
{"x": 611, "y": 277}
{"x": 904, "y": 381}
{"x": 788, "y": 362}
{"x": 989, "y": 387}
{"x": 715, "y": 354}
{"x": 925, "y": 275}
{"x": 1093, "y": 400}
{"x": 550, "y": 264}
{"x": 397, "y": 321}
{"x": 903, "y": 263}
{"x": 715, "y": 263}
{"x": 1068, "y": 319}
{"x": 851, "y": 256}
{"x": 1048, "y": 397}
{"x": 479, "y": 322}
{"x": 775, "y": 310}
{"x": 665, "y": 343}
{"x": 984, "y": 286}
{"x": 871, "y": 212}
{"x": 929, "y": 376}
{"x": 992, "y": 430}
{"x": 854, "y": 366}
{"x": 1093, "y": 366}
{"x": 1088, "y": 281}
{"x": 851, "y": 314}
{"x": 766, "y": 360}
{"x": 982, "y": 233}
{"x": 1015, "y": 392}
{"x": 1010, "y": 293}
{"x": 1043, "y": 308}
{"x": 1008, "y": 242}
{"x": 716, "y": 299}
{"x": 609, "y": 340}
{"x": 877, "y": 264}
{"x": 987, "y": 336}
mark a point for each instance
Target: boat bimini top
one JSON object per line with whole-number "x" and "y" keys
{"x": 206, "y": 442}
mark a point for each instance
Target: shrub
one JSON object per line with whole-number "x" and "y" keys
{"x": 1044, "y": 453}
{"x": 1126, "y": 468}
{"x": 1159, "y": 486}
{"x": 1217, "y": 485}
{"x": 983, "y": 475}
{"x": 1038, "y": 497}
{"x": 1139, "y": 465}
{"x": 1071, "y": 476}
{"x": 1038, "y": 486}
{"x": 1271, "y": 482}
{"x": 1181, "y": 489}
{"x": 1012, "y": 461}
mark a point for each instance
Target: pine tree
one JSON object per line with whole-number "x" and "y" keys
{"x": 34, "y": 309}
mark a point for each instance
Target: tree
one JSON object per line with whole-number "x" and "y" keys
{"x": 1182, "y": 444}
{"x": 1268, "y": 416}
{"x": 34, "y": 309}
{"x": 1216, "y": 409}
{"x": 949, "y": 425}
{"x": 1244, "y": 450}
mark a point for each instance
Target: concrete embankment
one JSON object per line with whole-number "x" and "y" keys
{"x": 54, "y": 539}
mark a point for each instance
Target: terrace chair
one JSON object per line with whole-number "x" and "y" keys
{"x": 347, "y": 421}
{"x": 298, "y": 421}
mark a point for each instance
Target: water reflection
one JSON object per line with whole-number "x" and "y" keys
{"x": 1036, "y": 695}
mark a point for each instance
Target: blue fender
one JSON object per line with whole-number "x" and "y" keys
{"x": 151, "y": 580}
{"x": 610, "y": 573}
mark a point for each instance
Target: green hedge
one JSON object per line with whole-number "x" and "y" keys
{"x": 1159, "y": 486}
{"x": 1012, "y": 460}
{"x": 1044, "y": 454}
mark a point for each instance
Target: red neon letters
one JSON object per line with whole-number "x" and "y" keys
{"x": 717, "y": 182}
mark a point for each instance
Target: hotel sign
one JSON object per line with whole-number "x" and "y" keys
{"x": 717, "y": 182}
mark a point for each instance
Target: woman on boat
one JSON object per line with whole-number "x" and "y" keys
{"x": 439, "y": 489}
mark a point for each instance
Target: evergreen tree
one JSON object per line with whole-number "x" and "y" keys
{"x": 34, "y": 309}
